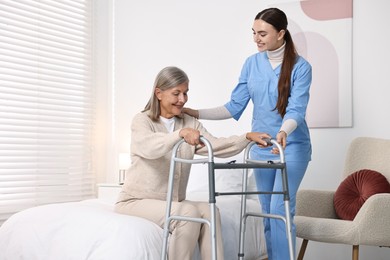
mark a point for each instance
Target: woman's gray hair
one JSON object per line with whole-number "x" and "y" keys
{"x": 168, "y": 77}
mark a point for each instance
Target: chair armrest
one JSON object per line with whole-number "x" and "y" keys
{"x": 315, "y": 203}
{"x": 373, "y": 220}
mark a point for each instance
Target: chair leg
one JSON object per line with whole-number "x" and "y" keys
{"x": 303, "y": 249}
{"x": 355, "y": 252}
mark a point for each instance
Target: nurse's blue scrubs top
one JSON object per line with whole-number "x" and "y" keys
{"x": 259, "y": 82}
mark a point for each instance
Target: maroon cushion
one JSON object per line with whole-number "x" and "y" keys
{"x": 356, "y": 189}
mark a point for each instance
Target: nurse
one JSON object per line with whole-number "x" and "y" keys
{"x": 277, "y": 80}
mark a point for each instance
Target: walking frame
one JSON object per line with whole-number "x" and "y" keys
{"x": 212, "y": 166}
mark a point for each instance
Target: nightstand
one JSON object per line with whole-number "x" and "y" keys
{"x": 109, "y": 191}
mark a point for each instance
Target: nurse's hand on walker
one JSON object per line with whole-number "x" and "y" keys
{"x": 281, "y": 138}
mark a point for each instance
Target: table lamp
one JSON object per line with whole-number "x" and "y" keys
{"x": 124, "y": 164}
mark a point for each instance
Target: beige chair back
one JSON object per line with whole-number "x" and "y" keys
{"x": 368, "y": 153}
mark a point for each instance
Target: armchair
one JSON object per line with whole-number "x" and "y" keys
{"x": 316, "y": 217}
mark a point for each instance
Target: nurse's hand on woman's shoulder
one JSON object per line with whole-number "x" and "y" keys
{"x": 190, "y": 111}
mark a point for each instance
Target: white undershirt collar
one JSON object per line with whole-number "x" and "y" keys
{"x": 275, "y": 57}
{"x": 169, "y": 123}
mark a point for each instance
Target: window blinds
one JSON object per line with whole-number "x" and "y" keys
{"x": 46, "y": 103}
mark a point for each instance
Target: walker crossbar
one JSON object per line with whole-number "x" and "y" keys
{"x": 265, "y": 215}
{"x": 199, "y": 220}
{"x": 248, "y": 193}
{"x": 248, "y": 165}
{"x": 193, "y": 161}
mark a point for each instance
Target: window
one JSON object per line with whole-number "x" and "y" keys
{"x": 46, "y": 103}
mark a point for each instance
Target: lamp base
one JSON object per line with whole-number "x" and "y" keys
{"x": 122, "y": 177}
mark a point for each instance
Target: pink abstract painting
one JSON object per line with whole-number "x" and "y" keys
{"x": 322, "y": 31}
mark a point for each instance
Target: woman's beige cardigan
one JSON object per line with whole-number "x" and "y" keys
{"x": 151, "y": 149}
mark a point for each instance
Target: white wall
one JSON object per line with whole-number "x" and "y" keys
{"x": 212, "y": 54}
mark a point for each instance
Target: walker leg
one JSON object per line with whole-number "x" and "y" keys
{"x": 243, "y": 216}
{"x": 288, "y": 229}
{"x": 168, "y": 207}
{"x": 165, "y": 244}
{"x": 242, "y": 238}
{"x": 213, "y": 231}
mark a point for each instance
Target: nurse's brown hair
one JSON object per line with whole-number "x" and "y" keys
{"x": 278, "y": 20}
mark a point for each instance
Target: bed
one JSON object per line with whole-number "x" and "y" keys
{"x": 90, "y": 229}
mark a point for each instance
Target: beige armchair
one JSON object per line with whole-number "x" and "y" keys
{"x": 316, "y": 217}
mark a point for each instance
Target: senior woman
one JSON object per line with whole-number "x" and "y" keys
{"x": 155, "y": 131}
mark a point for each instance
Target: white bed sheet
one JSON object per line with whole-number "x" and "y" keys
{"x": 91, "y": 230}
{"x": 79, "y": 230}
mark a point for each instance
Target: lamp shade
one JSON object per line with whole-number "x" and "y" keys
{"x": 124, "y": 161}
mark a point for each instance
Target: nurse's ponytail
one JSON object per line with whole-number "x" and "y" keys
{"x": 278, "y": 19}
{"x": 284, "y": 84}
